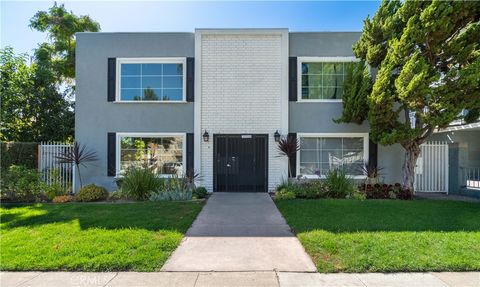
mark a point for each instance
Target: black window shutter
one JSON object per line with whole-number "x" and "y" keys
{"x": 190, "y": 79}
{"x": 112, "y": 65}
{"x": 292, "y": 79}
{"x": 372, "y": 153}
{"x": 293, "y": 159}
{"x": 111, "y": 154}
{"x": 190, "y": 152}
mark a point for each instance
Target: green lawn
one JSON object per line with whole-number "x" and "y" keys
{"x": 92, "y": 237}
{"x": 387, "y": 236}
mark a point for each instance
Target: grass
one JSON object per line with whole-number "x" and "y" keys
{"x": 388, "y": 235}
{"x": 92, "y": 237}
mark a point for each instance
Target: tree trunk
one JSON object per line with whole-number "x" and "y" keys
{"x": 412, "y": 151}
{"x": 79, "y": 175}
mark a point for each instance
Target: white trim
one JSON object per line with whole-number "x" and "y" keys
{"x": 334, "y": 135}
{"x": 157, "y": 60}
{"x": 153, "y": 135}
{"x": 284, "y": 91}
{"x": 197, "y": 105}
{"x": 301, "y": 60}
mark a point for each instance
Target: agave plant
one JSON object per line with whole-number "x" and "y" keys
{"x": 79, "y": 155}
{"x": 371, "y": 171}
{"x": 288, "y": 146}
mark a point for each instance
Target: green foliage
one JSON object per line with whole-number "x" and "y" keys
{"x": 139, "y": 182}
{"x": 22, "y": 184}
{"x": 18, "y": 153}
{"x": 200, "y": 192}
{"x": 357, "y": 87}
{"x": 304, "y": 189}
{"x": 428, "y": 59}
{"x": 284, "y": 194}
{"x": 32, "y": 109}
{"x": 61, "y": 26}
{"x": 91, "y": 192}
{"x": 36, "y": 97}
{"x": 338, "y": 184}
{"x": 171, "y": 195}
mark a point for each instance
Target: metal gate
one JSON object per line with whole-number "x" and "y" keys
{"x": 431, "y": 170}
{"x": 52, "y": 171}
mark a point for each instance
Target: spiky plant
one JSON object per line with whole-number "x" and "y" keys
{"x": 371, "y": 171}
{"x": 288, "y": 146}
{"x": 79, "y": 155}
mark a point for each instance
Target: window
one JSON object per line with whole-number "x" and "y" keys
{"x": 164, "y": 153}
{"x": 151, "y": 79}
{"x": 320, "y": 153}
{"x": 322, "y": 78}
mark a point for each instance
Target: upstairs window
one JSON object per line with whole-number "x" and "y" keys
{"x": 151, "y": 80}
{"x": 322, "y": 78}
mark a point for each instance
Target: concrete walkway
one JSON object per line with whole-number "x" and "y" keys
{"x": 244, "y": 279}
{"x": 240, "y": 232}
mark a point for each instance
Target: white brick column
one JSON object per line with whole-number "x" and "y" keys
{"x": 241, "y": 88}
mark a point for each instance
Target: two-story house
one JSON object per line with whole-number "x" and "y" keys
{"x": 214, "y": 100}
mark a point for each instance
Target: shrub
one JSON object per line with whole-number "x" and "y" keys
{"x": 385, "y": 191}
{"x": 117, "y": 195}
{"x": 284, "y": 194}
{"x": 171, "y": 195}
{"x": 22, "y": 184}
{"x": 338, "y": 184}
{"x": 314, "y": 189}
{"x": 91, "y": 192}
{"x": 63, "y": 199}
{"x": 18, "y": 153}
{"x": 139, "y": 182}
{"x": 200, "y": 192}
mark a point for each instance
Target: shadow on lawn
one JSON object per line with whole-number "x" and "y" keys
{"x": 172, "y": 216}
{"x": 380, "y": 215}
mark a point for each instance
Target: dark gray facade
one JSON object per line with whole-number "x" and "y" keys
{"x": 95, "y": 117}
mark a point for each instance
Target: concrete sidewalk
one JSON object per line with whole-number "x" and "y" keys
{"x": 244, "y": 279}
{"x": 240, "y": 232}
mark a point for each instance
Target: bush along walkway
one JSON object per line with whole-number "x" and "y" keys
{"x": 244, "y": 279}
{"x": 387, "y": 235}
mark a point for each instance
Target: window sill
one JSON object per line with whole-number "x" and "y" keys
{"x": 150, "y": 102}
{"x": 319, "y": 101}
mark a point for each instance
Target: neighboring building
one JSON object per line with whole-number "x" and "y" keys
{"x": 151, "y": 97}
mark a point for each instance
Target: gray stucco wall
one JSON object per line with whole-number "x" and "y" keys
{"x": 95, "y": 116}
{"x": 308, "y": 117}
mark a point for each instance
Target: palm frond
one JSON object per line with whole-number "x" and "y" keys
{"x": 78, "y": 155}
{"x": 288, "y": 146}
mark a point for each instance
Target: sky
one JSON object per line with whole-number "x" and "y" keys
{"x": 162, "y": 16}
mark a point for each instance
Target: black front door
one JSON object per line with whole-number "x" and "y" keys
{"x": 240, "y": 163}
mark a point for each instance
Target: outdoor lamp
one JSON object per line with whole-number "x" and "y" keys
{"x": 276, "y": 136}
{"x": 206, "y": 136}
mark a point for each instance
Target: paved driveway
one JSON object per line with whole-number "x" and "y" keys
{"x": 240, "y": 232}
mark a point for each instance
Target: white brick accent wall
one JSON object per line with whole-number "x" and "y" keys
{"x": 243, "y": 86}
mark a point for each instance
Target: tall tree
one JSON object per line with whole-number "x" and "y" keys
{"x": 61, "y": 26}
{"x": 36, "y": 102}
{"x": 428, "y": 58}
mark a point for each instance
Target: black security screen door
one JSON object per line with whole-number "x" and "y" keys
{"x": 240, "y": 163}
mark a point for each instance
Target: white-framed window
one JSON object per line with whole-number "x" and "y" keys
{"x": 151, "y": 80}
{"x": 321, "y": 152}
{"x": 321, "y": 78}
{"x": 165, "y": 153}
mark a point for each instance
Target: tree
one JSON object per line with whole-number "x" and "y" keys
{"x": 61, "y": 26}
{"x": 36, "y": 97}
{"x": 428, "y": 60}
{"x": 32, "y": 108}
{"x": 288, "y": 146}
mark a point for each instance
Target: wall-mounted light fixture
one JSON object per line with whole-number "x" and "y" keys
{"x": 206, "y": 136}
{"x": 276, "y": 136}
